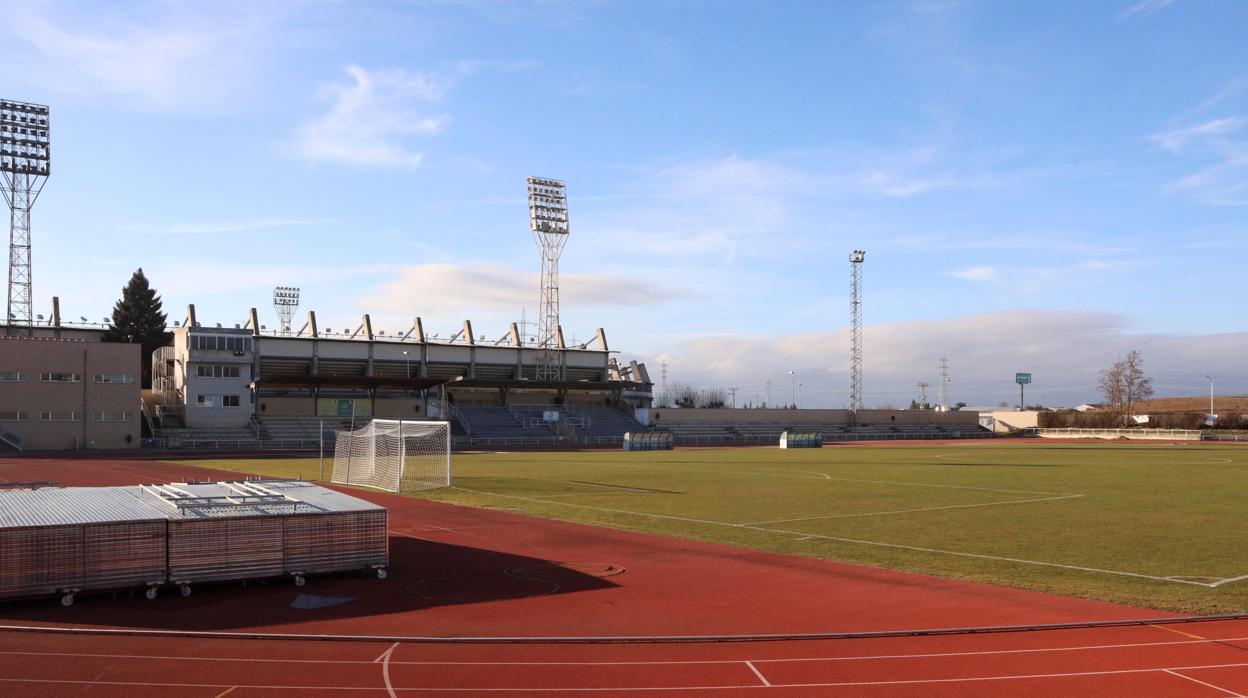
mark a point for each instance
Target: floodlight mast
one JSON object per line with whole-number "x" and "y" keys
{"x": 548, "y": 219}
{"x": 25, "y": 163}
{"x": 285, "y": 302}
{"x": 856, "y": 258}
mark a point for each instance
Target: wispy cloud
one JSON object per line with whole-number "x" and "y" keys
{"x": 162, "y": 56}
{"x": 980, "y": 273}
{"x": 1224, "y": 180}
{"x": 372, "y": 117}
{"x": 1147, "y": 7}
{"x": 200, "y": 228}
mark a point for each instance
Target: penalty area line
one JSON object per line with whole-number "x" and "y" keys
{"x": 854, "y": 541}
{"x": 913, "y": 511}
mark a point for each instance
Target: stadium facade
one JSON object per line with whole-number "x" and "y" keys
{"x": 223, "y": 377}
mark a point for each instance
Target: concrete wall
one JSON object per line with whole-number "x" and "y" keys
{"x": 1008, "y": 420}
{"x": 662, "y": 416}
{"x": 79, "y": 409}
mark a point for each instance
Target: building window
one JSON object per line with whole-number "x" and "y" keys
{"x": 217, "y": 400}
{"x": 58, "y": 416}
{"x": 12, "y": 416}
{"x": 123, "y": 378}
{"x": 216, "y": 371}
{"x": 12, "y": 376}
{"x": 112, "y": 416}
{"x": 213, "y": 343}
{"x": 60, "y": 377}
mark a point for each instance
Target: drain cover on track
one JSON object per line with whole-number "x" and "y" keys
{"x": 566, "y": 570}
{"x": 318, "y": 601}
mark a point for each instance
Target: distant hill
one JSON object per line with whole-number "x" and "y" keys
{"x": 1221, "y": 403}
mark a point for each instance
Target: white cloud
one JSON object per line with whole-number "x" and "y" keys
{"x": 980, "y": 273}
{"x": 220, "y": 226}
{"x": 495, "y": 293}
{"x": 161, "y": 56}
{"x": 371, "y": 118}
{"x": 1145, "y": 7}
{"x": 1179, "y": 139}
{"x": 1063, "y": 349}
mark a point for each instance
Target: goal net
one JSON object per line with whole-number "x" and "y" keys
{"x": 394, "y": 455}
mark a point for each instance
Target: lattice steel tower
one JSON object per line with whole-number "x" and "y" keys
{"x": 856, "y": 258}
{"x": 285, "y": 302}
{"x": 25, "y": 163}
{"x": 548, "y": 219}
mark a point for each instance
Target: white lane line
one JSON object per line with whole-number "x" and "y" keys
{"x": 1203, "y": 683}
{"x": 641, "y": 689}
{"x": 385, "y": 654}
{"x": 667, "y": 662}
{"x": 854, "y": 541}
{"x": 912, "y": 511}
{"x": 385, "y": 670}
{"x": 758, "y": 673}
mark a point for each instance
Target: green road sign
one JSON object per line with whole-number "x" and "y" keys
{"x": 1022, "y": 378}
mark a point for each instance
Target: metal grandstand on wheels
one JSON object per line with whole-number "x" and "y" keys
{"x": 548, "y": 219}
{"x": 25, "y": 163}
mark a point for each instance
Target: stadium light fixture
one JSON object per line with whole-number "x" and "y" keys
{"x": 548, "y": 219}
{"x": 285, "y": 301}
{"x": 25, "y": 163}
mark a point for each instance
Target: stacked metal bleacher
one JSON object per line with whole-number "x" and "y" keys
{"x": 56, "y": 540}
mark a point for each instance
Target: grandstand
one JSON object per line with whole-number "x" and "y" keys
{"x": 250, "y": 387}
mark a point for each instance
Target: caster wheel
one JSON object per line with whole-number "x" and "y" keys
{"x": 67, "y": 600}
{"x": 150, "y": 593}
{"x": 382, "y": 573}
{"x": 299, "y": 580}
{"x": 185, "y": 589}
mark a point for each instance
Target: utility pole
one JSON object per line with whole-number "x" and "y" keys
{"x": 663, "y": 373}
{"x": 768, "y": 403}
{"x": 1211, "y": 379}
{"x": 793, "y": 387}
{"x": 733, "y": 393}
{"x": 942, "y": 402}
{"x": 923, "y": 394}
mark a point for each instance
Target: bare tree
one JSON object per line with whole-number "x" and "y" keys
{"x": 684, "y": 396}
{"x": 1124, "y": 384}
{"x": 714, "y": 397}
{"x": 1136, "y": 387}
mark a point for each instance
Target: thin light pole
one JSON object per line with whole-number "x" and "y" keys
{"x": 408, "y": 362}
{"x": 1211, "y": 379}
{"x": 793, "y": 387}
{"x": 322, "y": 449}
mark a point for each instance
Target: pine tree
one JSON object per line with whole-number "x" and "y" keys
{"x": 138, "y": 319}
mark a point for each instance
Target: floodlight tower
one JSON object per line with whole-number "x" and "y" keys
{"x": 548, "y": 219}
{"x": 25, "y": 163}
{"x": 856, "y": 258}
{"x": 285, "y": 302}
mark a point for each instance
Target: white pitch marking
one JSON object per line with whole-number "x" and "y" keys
{"x": 1228, "y": 580}
{"x": 758, "y": 673}
{"x": 855, "y": 541}
{"x": 1203, "y": 683}
{"x": 912, "y": 511}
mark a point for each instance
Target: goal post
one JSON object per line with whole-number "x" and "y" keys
{"x": 394, "y": 455}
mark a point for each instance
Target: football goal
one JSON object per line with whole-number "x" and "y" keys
{"x": 394, "y": 455}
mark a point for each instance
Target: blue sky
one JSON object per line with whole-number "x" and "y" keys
{"x": 1038, "y": 186}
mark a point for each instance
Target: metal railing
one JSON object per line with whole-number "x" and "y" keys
{"x": 1222, "y": 436}
{"x": 1134, "y": 434}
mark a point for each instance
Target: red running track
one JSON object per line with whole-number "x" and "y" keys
{"x": 459, "y": 572}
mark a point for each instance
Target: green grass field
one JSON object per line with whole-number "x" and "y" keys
{"x": 1162, "y": 526}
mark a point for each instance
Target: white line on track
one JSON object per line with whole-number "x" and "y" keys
{"x": 385, "y": 670}
{"x": 853, "y": 541}
{"x": 758, "y": 673}
{"x": 648, "y": 689}
{"x": 667, "y": 662}
{"x": 385, "y": 654}
{"x": 912, "y": 511}
{"x": 1202, "y": 683}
